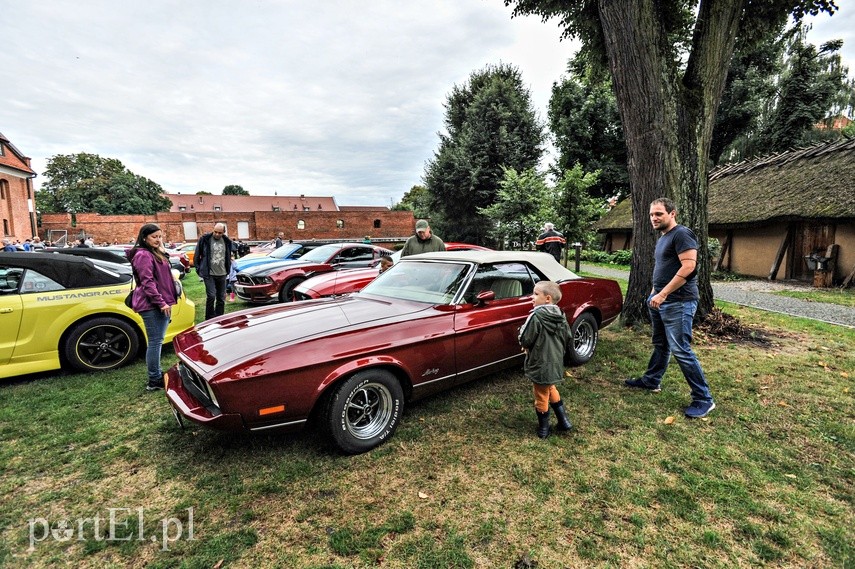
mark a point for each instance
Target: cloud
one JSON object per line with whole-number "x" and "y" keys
{"x": 337, "y": 98}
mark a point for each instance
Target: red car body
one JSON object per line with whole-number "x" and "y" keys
{"x": 353, "y": 280}
{"x": 275, "y": 281}
{"x": 429, "y": 323}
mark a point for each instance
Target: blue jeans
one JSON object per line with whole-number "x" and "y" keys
{"x": 672, "y": 334}
{"x": 215, "y": 296}
{"x": 156, "y": 323}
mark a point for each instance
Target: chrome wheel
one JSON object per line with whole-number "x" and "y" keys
{"x": 365, "y": 410}
{"x": 585, "y": 334}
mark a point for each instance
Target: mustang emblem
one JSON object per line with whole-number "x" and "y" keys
{"x": 431, "y": 371}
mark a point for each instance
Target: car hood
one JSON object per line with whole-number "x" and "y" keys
{"x": 223, "y": 342}
{"x": 268, "y": 268}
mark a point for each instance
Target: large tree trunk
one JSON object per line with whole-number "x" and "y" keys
{"x": 667, "y": 121}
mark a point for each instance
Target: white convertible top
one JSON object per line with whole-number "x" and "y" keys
{"x": 544, "y": 262}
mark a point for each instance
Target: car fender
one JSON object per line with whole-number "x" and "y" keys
{"x": 389, "y": 363}
{"x": 586, "y": 307}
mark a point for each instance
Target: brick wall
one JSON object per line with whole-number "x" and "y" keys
{"x": 14, "y": 211}
{"x": 261, "y": 225}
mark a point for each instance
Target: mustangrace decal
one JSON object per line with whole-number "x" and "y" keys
{"x": 77, "y": 295}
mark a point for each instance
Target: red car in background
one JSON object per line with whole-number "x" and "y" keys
{"x": 353, "y": 280}
{"x": 275, "y": 281}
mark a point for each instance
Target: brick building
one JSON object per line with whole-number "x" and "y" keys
{"x": 250, "y": 218}
{"x": 16, "y": 193}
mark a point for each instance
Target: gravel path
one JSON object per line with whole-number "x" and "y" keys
{"x": 758, "y": 294}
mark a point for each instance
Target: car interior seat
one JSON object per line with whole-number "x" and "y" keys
{"x": 506, "y": 288}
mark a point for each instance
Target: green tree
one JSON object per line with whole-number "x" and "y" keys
{"x": 88, "y": 183}
{"x": 585, "y": 124}
{"x": 490, "y": 125}
{"x": 750, "y": 84}
{"x": 577, "y": 210}
{"x": 668, "y": 62}
{"x": 417, "y": 200}
{"x": 811, "y": 82}
{"x": 234, "y": 190}
{"x": 522, "y": 203}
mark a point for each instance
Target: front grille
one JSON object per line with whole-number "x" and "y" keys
{"x": 245, "y": 279}
{"x": 197, "y": 387}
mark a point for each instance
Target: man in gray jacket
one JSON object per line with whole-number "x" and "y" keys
{"x": 213, "y": 260}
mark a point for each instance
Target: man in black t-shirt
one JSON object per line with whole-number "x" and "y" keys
{"x": 672, "y": 304}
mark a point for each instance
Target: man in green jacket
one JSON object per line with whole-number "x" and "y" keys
{"x": 423, "y": 241}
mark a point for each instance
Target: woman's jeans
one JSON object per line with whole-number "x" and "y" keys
{"x": 672, "y": 334}
{"x": 156, "y": 323}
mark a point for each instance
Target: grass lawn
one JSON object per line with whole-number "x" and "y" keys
{"x": 843, "y": 297}
{"x": 767, "y": 480}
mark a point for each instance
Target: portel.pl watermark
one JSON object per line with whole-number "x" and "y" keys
{"x": 119, "y": 524}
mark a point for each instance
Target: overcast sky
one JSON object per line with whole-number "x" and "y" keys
{"x": 334, "y": 98}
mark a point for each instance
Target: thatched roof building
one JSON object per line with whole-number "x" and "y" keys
{"x": 803, "y": 200}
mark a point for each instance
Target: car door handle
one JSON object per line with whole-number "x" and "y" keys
{"x": 5, "y": 310}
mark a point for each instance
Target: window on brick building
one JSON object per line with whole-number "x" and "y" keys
{"x": 377, "y": 224}
{"x": 276, "y": 208}
{"x": 5, "y": 227}
{"x": 301, "y": 224}
{"x": 218, "y": 208}
{"x": 182, "y": 208}
{"x": 339, "y": 223}
{"x": 4, "y": 185}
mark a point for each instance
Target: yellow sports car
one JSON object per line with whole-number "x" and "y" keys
{"x": 58, "y": 310}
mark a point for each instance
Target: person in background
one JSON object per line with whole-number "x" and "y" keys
{"x": 550, "y": 241}
{"x": 37, "y": 243}
{"x": 8, "y": 247}
{"x": 213, "y": 261}
{"x": 544, "y": 337}
{"x": 672, "y": 304}
{"x": 278, "y": 241}
{"x": 28, "y": 245}
{"x": 385, "y": 263}
{"x": 153, "y": 296}
{"x": 423, "y": 241}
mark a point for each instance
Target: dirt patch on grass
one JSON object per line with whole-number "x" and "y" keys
{"x": 719, "y": 326}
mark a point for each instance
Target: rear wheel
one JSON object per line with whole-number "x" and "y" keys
{"x": 365, "y": 410}
{"x": 583, "y": 340}
{"x": 101, "y": 344}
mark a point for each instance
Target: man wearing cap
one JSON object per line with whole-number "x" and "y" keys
{"x": 422, "y": 241}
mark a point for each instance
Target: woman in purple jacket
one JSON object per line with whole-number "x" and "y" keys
{"x": 153, "y": 297}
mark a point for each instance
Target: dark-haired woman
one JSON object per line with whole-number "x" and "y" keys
{"x": 154, "y": 296}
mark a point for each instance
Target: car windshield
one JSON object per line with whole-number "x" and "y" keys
{"x": 321, "y": 254}
{"x": 433, "y": 282}
{"x": 284, "y": 251}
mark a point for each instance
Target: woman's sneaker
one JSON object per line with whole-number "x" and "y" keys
{"x": 638, "y": 383}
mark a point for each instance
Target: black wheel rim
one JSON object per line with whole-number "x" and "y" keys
{"x": 103, "y": 347}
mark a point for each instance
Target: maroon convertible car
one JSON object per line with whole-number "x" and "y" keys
{"x": 429, "y": 323}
